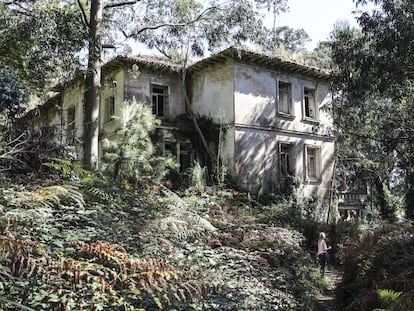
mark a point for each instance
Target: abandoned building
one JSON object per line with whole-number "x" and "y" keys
{"x": 263, "y": 117}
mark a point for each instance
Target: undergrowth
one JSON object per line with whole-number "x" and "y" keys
{"x": 378, "y": 270}
{"x": 67, "y": 245}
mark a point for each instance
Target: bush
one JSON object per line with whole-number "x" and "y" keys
{"x": 130, "y": 156}
{"x": 381, "y": 260}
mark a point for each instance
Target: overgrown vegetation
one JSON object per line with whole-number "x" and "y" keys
{"x": 130, "y": 155}
{"x": 378, "y": 270}
{"x": 73, "y": 245}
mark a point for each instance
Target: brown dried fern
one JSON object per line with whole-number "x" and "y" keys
{"x": 150, "y": 281}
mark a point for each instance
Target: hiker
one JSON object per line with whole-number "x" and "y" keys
{"x": 322, "y": 252}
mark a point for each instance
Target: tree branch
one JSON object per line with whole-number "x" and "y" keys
{"x": 199, "y": 17}
{"x": 119, "y": 4}
{"x": 84, "y": 17}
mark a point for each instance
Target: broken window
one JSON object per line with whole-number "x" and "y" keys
{"x": 285, "y": 159}
{"x": 312, "y": 163}
{"x": 159, "y": 95}
{"x": 284, "y": 98}
{"x": 109, "y": 108}
{"x": 310, "y": 103}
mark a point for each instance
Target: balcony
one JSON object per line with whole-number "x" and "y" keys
{"x": 352, "y": 200}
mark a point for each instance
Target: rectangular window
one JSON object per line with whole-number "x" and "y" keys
{"x": 286, "y": 158}
{"x": 284, "y": 98}
{"x": 185, "y": 156}
{"x": 71, "y": 125}
{"x": 312, "y": 163}
{"x": 159, "y": 94}
{"x": 109, "y": 108}
{"x": 310, "y": 103}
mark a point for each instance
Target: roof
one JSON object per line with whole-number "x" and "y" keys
{"x": 148, "y": 62}
{"x": 260, "y": 59}
{"x": 238, "y": 54}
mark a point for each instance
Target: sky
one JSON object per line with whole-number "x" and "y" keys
{"x": 317, "y": 17}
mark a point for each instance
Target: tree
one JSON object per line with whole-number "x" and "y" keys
{"x": 41, "y": 40}
{"x": 374, "y": 75}
{"x": 12, "y": 95}
{"x": 132, "y": 157}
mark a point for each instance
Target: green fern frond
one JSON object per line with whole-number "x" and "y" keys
{"x": 182, "y": 220}
{"x": 52, "y": 195}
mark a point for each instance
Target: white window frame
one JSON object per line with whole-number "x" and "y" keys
{"x": 289, "y": 103}
{"x": 310, "y": 106}
{"x": 315, "y": 174}
{"x": 290, "y": 170}
{"x": 156, "y": 96}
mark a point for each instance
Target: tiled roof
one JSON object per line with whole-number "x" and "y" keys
{"x": 238, "y": 54}
{"x": 150, "y": 62}
{"x": 262, "y": 60}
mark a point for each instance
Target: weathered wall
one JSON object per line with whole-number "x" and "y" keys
{"x": 139, "y": 86}
{"x": 73, "y": 98}
{"x": 244, "y": 98}
{"x": 255, "y": 100}
{"x": 212, "y": 93}
{"x": 260, "y": 128}
{"x": 257, "y": 162}
{"x": 212, "y": 97}
{"x": 112, "y": 85}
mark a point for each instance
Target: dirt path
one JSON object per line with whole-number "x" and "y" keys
{"x": 326, "y": 300}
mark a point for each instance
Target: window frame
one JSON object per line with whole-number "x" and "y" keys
{"x": 306, "y": 105}
{"x": 109, "y": 108}
{"x": 164, "y": 95}
{"x": 71, "y": 124}
{"x": 290, "y": 170}
{"x": 289, "y": 98}
{"x": 317, "y": 163}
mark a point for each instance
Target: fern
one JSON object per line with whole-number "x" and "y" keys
{"x": 99, "y": 270}
{"x": 182, "y": 221}
{"x": 70, "y": 169}
{"x": 52, "y": 195}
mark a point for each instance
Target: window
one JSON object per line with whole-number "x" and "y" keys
{"x": 285, "y": 159}
{"x": 109, "y": 108}
{"x": 284, "y": 98}
{"x": 71, "y": 125}
{"x": 310, "y": 103}
{"x": 159, "y": 100}
{"x": 312, "y": 163}
{"x": 185, "y": 156}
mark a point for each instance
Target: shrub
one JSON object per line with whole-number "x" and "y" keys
{"x": 382, "y": 259}
{"x": 130, "y": 156}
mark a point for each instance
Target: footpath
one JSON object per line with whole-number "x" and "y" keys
{"x": 326, "y": 300}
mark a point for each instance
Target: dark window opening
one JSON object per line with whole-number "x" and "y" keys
{"x": 159, "y": 100}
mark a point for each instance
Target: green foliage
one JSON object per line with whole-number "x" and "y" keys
{"x": 284, "y": 41}
{"x": 374, "y": 83}
{"x": 12, "y": 95}
{"x": 71, "y": 170}
{"x": 51, "y": 196}
{"x": 39, "y": 39}
{"x": 387, "y": 298}
{"x": 132, "y": 249}
{"x": 130, "y": 156}
{"x": 198, "y": 177}
{"x": 381, "y": 259}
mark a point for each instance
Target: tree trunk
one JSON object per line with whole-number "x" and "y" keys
{"x": 93, "y": 86}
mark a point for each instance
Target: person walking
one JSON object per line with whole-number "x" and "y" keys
{"x": 322, "y": 252}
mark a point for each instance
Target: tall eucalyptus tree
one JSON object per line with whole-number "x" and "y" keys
{"x": 375, "y": 75}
